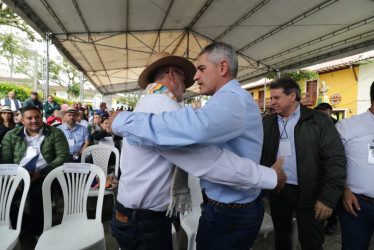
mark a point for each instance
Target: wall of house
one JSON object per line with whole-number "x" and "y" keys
{"x": 343, "y": 83}
{"x": 365, "y": 79}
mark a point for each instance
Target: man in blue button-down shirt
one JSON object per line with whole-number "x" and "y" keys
{"x": 231, "y": 120}
{"x": 77, "y": 135}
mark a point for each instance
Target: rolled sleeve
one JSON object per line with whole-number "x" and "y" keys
{"x": 223, "y": 167}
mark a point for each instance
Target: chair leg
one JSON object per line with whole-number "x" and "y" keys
{"x": 192, "y": 242}
{"x": 294, "y": 234}
{"x": 18, "y": 245}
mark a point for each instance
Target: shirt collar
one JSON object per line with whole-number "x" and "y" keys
{"x": 28, "y": 137}
{"x": 294, "y": 114}
{"x": 229, "y": 85}
{"x": 75, "y": 126}
{"x": 370, "y": 114}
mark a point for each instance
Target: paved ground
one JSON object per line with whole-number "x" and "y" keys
{"x": 333, "y": 242}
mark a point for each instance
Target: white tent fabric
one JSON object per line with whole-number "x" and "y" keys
{"x": 112, "y": 40}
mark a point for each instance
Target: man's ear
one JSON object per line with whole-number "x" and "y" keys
{"x": 293, "y": 96}
{"x": 223, "y": 67}
{"x": 171, "y": 74}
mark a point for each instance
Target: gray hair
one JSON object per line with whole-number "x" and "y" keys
{"x": 221, "y": 51}
{"x": 158, "y": 74}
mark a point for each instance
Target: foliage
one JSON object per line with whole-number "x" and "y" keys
{"x": 130, "y": 99}
{"x": 20, "y": 92}
{"x": 74, "y": 89}
{"x": 11, "y": 19}
{"x": 297, "y": 76}
{"x": 65, "y": 75}
{"x": 15, "y": 50}
{"x": 196, "y": 99}
{"x": 23, "y": 93}
{"x": 61, "y": 100}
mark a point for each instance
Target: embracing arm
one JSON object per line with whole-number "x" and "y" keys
{"x": 220, "y": 120}
{"x": 222, "y": 166}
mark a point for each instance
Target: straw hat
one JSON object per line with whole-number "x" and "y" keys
{"x": 68, "y": 110}
{"x": 162, "y": 59}
{"x": 6, "y": 109}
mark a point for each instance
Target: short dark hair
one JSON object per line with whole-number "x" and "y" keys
{"x": 288, "y": 85}
{"x": 28, "y": 108}
{"x": 372, "y": 92}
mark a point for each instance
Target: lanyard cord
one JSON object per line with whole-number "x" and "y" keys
{"x": 284, "y": 131}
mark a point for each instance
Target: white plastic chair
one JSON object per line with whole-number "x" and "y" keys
{"x": 267, "y": 225}
{"x": 190, "y": 222}
{"x": 8, "y": 186}
{"x": 76, "y": 231}
{"x": 174, "y": 238}
{"x": 100, "y": 155}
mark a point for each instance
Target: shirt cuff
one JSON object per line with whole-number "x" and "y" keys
{"x": 118, "y": 127}
{"x": 268, "y": 179}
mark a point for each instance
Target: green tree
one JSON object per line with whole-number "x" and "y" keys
{"x": 11, "y": 19}
{"x": 65, "y": 75}
{"x": 295, "y": 75}
{"x": 131, "y": 99}
{"x": 19, "y": 58}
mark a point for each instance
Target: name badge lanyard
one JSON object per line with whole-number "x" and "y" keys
{"x": 284, "y": 131}
{"x": 285, "y": 144}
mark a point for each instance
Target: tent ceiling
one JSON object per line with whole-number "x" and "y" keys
{"x": 112, "y": 40}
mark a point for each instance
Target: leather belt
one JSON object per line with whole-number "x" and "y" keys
{"x": 227, "y": 205}
{"x": 139, "y": 213}
{"x": 365, "y": 198}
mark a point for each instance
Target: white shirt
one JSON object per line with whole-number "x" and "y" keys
{"x": 35, "y": 143}
{"x": 12, "y": 104}
{"x": 357, "y": 133}
{"x": 147, "y": 175}
{"x": 84, "y": 123}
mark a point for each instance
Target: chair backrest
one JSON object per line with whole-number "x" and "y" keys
{"x": 196, "y": 196}
{"x": 100, "y": 156}
{"x": 75, "y": 187}
{"x": 8, "y": 186}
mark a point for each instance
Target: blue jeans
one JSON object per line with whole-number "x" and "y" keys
{"x": 229, "y": 228}
{"x": 142, "y": 233}
{"x": 357, "y": 231}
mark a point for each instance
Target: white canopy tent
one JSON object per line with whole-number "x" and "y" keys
{"x": 111, "y": 41}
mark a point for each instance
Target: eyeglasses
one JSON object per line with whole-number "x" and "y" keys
{"x": 182, "y": 74}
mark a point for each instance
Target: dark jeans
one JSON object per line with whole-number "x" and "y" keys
{"x": 357, "y": 231}
{"x": 333, "y": 219}
{"x": 283, "y": 207}
{"x": 34, "y": 221}
{"x": 135, "y": 231}
{"x": 229, "y": 228}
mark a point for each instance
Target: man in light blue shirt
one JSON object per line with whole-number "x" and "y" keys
{"x": 77, "y": 135}
{"x": 231, "y": 120}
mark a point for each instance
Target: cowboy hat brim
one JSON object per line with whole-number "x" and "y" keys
{"x": 180, "y": 62}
